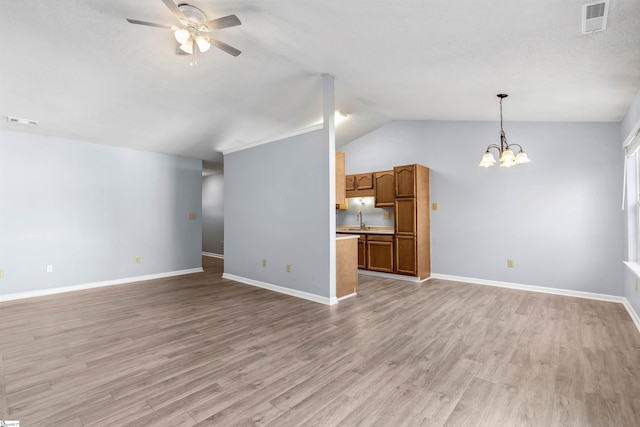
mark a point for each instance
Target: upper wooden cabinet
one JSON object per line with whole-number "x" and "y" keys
{"x": 384, "y": 189}
{"x": 360, "y": 185}
{"x": 364, "y": 181}
{"x": 405, "y": 180}
{"x": 350, "y": 182}
{"x": 341, "y": 192}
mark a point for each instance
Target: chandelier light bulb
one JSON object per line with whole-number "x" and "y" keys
{"x": 487, "y": 160}
{"x": 522, "y": 158}
{"x": 507, "y": 156}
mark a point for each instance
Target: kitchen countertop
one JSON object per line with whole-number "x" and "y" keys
{"x": 346, "y": 236}
{"x": 354, "y": 229}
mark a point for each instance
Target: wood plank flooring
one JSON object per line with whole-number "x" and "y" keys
{"x": 200, "y": 350}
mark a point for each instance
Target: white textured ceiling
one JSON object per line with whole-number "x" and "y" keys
{"x": 80, "y": 70}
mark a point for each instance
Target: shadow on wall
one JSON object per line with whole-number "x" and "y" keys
{"x": 213, "y": 214}
{"x": 370, "y": 214}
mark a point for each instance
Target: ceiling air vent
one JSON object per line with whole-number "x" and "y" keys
{"x": 594, "y": 16}
{"x": 21, "y": 121}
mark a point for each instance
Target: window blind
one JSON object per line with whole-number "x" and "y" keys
{"x": 633, "y": 145}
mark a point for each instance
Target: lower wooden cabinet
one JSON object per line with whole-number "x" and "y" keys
{"x": 375, "y": 252}
{"x": 380, "y": 253}
{"x": 362, "y": 251}
{"x": 406, "y": 255}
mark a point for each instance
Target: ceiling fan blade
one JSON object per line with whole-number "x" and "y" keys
{"x": 224, "y": 22}
{"x": 229, "y": 49}
{"x": 150, "y": 24}
{"x": 176, "y": 11}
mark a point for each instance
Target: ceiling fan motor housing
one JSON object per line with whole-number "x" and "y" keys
{"x": 192, "y": 13}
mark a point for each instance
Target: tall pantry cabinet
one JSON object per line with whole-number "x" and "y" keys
{"x": 412, "y": 221}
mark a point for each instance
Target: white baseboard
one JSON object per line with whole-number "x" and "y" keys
{"x": 392, "y": 276}
{"x": 556, "y": 291}
{"x": 53, "y": 291}
{"x": 282, "y": 289}
{"x": 347, "y": 296}
{"x": 565, "y": 292}
{"x": 213, "y": 255}
{"x": 632, "y": 313}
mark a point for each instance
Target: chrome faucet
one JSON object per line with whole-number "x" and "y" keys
{"x": 359, "y": 217}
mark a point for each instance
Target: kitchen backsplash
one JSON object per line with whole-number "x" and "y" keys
{"x": 370, "y": 214}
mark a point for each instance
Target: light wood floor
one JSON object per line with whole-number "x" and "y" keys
{"x": 200, "y": 350}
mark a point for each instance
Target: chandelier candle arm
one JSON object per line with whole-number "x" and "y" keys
{"x": 505, "y": 153}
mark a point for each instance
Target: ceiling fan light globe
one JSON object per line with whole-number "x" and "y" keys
{"x": 182, "y": 36}
{"x": 187, "y": 48}
{"x": 203, "y": 44}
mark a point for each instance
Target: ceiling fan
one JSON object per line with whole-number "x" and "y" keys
{"x": 194, "y": 31}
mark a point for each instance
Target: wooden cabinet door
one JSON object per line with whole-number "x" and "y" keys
{"x": 384, "y": 189}
{"x": 406, "y": 255}
{"x": 350, "y": 182}
{"x": 364, "y": 181}
{"x": 405, "y": 216}
{"x": 362, "y": 252}
{"x": 405, "y": 181}
{"x": 380, "y": 253}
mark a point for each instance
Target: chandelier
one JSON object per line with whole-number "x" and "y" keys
{"x": 507, "y": 158}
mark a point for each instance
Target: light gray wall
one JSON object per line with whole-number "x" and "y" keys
{"x": 558, "y": 217}
{"x": 213, "y": 214}
{"x": 631, "y": 118}
{"x": 275, "y": 204}
{"x": 90, "y": 209}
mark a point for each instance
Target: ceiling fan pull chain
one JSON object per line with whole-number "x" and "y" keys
{"x": 195, "y": 52}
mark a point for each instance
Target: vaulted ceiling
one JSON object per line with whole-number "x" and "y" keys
{"x": 83, "y": 72}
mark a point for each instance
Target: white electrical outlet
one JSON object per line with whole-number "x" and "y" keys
{"x": 510, "y": 263}
{"x": 50, "y": 268}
